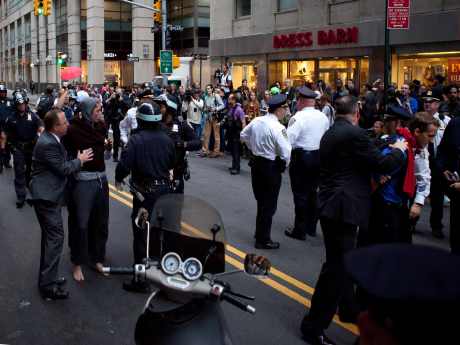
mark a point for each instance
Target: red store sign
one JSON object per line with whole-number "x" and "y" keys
{"x": 323, "y": 37}
{"x": 454, "y": 71}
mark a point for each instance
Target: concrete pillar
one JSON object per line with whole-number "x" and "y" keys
{"x": 34, "y": 45}
{"x": 2, "y": 47}
{"x": 143, "y": 42}
{"x": 95, "y": 39}
{"x": 42, "y": 51}
{"x": 24, "y": 64}
{"x": 74, "y": 33}
{"x": 51, "y": 29}
{"x": 16, "y": 54}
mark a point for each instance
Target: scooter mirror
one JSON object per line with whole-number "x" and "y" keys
{"x": 256, "y": 265}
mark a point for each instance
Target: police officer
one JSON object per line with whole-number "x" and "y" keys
{"x": 183, "y": 136}
{"x": 400, "y": 313}
{"x": 267, "y": 139}
{"x": 306, "y": 128}
{"x": 5, "y": 110}
{"x": 22, "y": 128}
{"x": 389, "y": 210}
{"x": 149, "y": 158}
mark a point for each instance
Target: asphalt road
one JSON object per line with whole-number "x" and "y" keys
{"x": 100, "y": 312}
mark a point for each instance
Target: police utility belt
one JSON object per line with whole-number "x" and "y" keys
{"x": 150, "y": 185}
{"x": 24, "y": 145}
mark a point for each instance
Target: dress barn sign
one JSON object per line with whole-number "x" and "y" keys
{"x": 322, "y": 37}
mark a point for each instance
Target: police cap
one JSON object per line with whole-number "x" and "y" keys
{"x": 276, "y": 101}
{"x": 306, "y": 92}
{"x": 431, "y": 96}
{"x": 397, "y": 112}
{"x": 167, "y": 100}
{"x": 411, "y": 291}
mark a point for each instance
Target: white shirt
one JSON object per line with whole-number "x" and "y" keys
{"x": 440, "y": 132}
{"x": 306, "y": 128}
{"x": 194, "y": 110}
{"x": 128, "y": 124}
{"x": 224, "y": 81}
{"x": 266, "y": 137}
{"x": 422, "y": 176}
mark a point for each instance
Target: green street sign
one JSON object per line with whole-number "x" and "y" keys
{"x": 166, "y": 61}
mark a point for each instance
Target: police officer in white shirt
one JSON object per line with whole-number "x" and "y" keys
{"x": 305, "y": 130}
{"x": 267, "y": 139}
{"x": 129, "y": 123}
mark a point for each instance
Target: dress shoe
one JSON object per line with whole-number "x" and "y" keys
{"x": 437, "y": 233}
{"x": 289, "y": 232}
{"x": 60, "y": 281}
{"x": 267, "y": 245}
{"x": 139, "y": 287}
{"x": 315, "y": 339}
{"x": 54, "y": 294}
{"x": 234, "y": 172}
{"x": 20, "y": 203}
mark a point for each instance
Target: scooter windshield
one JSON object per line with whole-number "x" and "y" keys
{"x": 191, "y": 228}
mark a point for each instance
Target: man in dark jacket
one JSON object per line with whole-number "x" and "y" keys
{"x": 49, "y": 179}
{"x": 348, "y": 158}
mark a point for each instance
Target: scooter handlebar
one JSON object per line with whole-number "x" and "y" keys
{"x": 244, "y": 307}
{"x": 118, "y": 270}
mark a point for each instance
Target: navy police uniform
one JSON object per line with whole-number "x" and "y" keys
{"x": 149, "y": 157}
{"x": 305, "y": 130}
{"x": 406, "y": 305}
{"x": 389, "y": 218}
{"x": 22, "y": 130}
{"x": 267, "y": 139}
{"x": 183, "y": 136}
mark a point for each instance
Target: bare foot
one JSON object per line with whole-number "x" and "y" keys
{"x": 78, "y": 274}
{"x": 99, "y": 268}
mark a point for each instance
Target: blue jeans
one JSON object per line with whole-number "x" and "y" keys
{"x": 198, "y": 129}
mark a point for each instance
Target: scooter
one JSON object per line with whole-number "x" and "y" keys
{"x": 185, "y": 306}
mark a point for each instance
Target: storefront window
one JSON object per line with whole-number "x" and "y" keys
{"x": 301, "y": 72}
{"x": 331, "y": 70}
{"x": 424, "y": 69}
{"x": 243, "y": 8}
{"x": 244, "y": 71}
{"x": 277, "y": 71}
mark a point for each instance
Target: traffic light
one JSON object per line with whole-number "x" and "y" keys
{"x": 61, "y": 59}
{"x": 157, "y": 15}
{"x": 38, "y": 7}
{"x": 47, "y": 6}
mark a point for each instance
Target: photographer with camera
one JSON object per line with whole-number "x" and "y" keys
{"x": 116, "y": 111}
{"x": 213, "y": 106}
{"x": 193, "y": 106}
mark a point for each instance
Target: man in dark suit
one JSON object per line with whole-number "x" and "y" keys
{"x": 347, "y": 160}
{"x": 49, "y": 179}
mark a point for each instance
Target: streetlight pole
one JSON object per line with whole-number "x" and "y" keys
{"x": 387, "y": 66}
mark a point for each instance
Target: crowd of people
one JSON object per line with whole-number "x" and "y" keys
{"x": 360, "y": 163}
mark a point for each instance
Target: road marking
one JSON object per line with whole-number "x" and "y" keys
{"x": 237, "y": 264}
{"x": 283, "y": 276}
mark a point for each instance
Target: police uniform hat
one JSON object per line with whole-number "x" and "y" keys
{"x": 146, "y": 94}
{"x": 306, "y": 92}
{"x": 397, "y": 112}
{"x": 411, "y": 291}
{"x": 276, "y": 101}
{"x": 149, "y": 112}
{"x": 430, "y": 96}
{"x": 166, "y": 100}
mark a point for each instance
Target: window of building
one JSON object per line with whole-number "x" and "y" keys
{"x": 284, "y": 5}
{"x": 243, "y": 8}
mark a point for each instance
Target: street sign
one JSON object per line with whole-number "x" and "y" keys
{"x": 398, "y": 14}
{"x": 166, "y": 61}
{"x": 133, "y": 59}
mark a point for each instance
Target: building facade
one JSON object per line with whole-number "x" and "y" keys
{"x": 96, "y": 35}
{"x": 308, "y": 40}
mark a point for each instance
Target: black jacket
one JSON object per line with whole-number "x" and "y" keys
{"x": 347, "y": 160}
{"x": 448, "y": 153}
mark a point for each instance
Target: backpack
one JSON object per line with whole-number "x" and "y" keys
{"x": 44, "y": 105}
